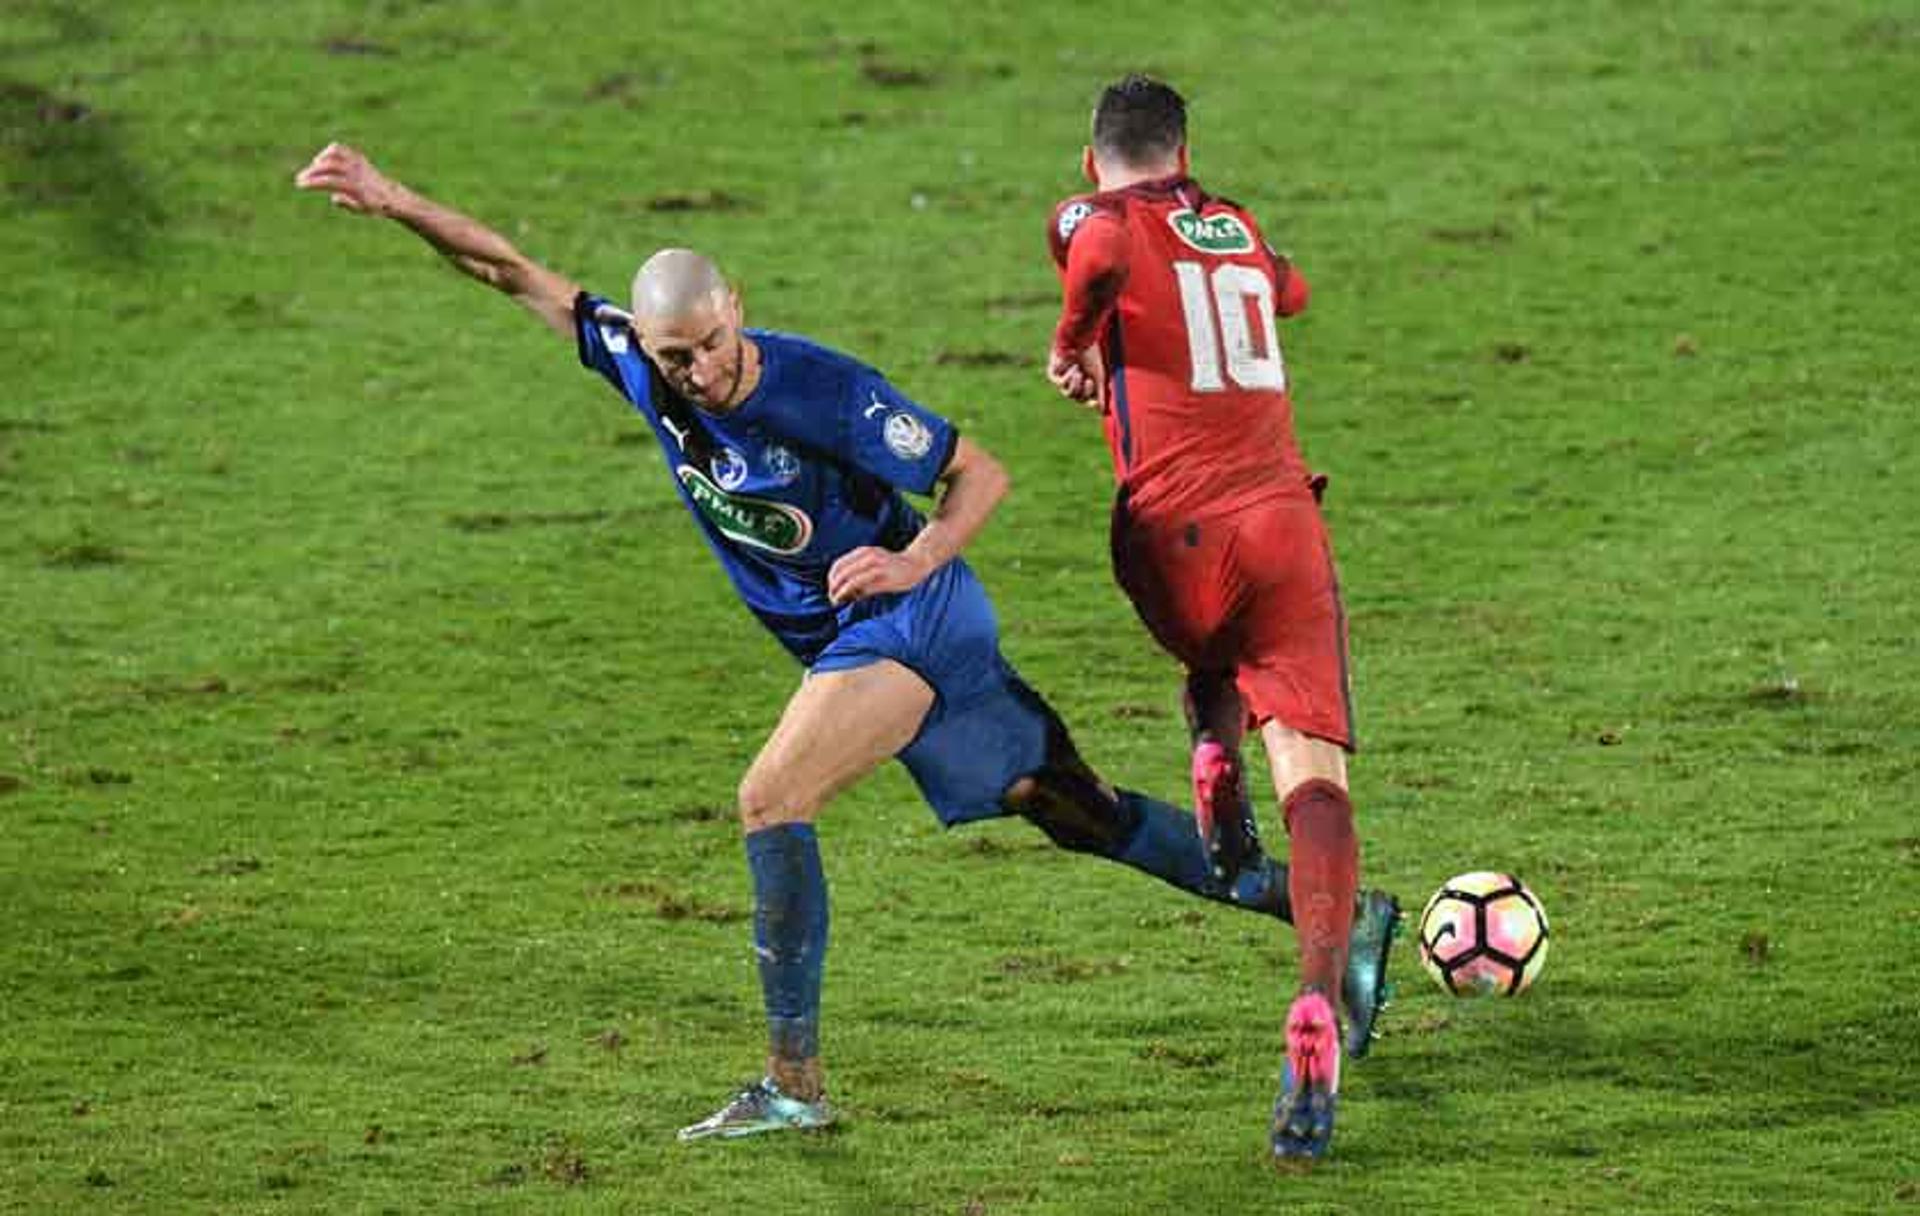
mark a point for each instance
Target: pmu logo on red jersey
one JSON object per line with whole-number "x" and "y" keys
{"x": 1220, "y": 233}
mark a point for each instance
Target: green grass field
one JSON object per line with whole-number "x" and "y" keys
{"x": 370, "y": 715}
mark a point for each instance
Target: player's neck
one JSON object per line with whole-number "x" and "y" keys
{"x": 1119, "y": 177}
{"x": 751, "y": 366}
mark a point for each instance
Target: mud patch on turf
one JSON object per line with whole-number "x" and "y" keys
{"x": 668, "y": 904}
{"x": 1182, "y": 1057}
{"x": 500, "y": 521}
{"x": 1482, "y": 234}
{"x": 678, "y": 201}
{"x": 995, "y": 847}
{"x": 99, "y": 775}
{"x": 609, "y": 1040}
{"x": 82, "y": 551}
{"x": 980, "y": 358}
{"x": 557, "y": 1160}
{"x": 888, "y": 75}
{"x": 232, "y": 867}
{"x": 620, "y": 86}
{"x": 1057, "y": 969}
{"x": 353, "y": 46}
{"x": 1783, "y": 693}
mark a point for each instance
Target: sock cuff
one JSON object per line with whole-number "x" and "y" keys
{"x": 1315, "y": 789}
{"x": 779, "y": 836}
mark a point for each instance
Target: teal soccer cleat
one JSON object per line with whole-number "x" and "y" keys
{"x": 1364, "y": 990}
{"x": 761, "y": 1107}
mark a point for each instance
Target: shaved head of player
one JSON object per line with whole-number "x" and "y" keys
{"x": 689, "y": 322}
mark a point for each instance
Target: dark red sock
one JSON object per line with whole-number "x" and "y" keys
{"x": 1324, "y": 870}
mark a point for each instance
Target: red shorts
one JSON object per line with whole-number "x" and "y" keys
{"x": 1252, "y": 592}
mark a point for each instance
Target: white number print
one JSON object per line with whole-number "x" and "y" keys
{"x": 1218, "y": 315}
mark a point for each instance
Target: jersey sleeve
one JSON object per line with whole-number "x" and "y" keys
{"x": 1094, "y": 266}
{"x": 1292, "y": 299}
{"x": 607, "y": 346}
{"x": 885, "y": 433}
{"x": 1067, "y": 218}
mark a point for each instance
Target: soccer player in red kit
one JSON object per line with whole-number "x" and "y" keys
{"x": 1168, "y": 326}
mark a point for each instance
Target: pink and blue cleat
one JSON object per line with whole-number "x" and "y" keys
{"x": 1310, "y": 1085}
{"x": 1222, "y": 812}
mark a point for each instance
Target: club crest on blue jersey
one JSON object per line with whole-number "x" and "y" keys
{"x": 782, "y": 465}
{"x": 907, "y": 437}
{"x": 729, "y": 469}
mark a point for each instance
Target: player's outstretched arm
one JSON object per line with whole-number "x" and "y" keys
{"x": 480, "y": 252}
{"x": 974, "y": 485}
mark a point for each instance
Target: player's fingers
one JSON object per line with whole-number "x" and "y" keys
{"x": 320, "y": 177}
{"x": 843, "y": 577}
{"x": 848, "y": 590}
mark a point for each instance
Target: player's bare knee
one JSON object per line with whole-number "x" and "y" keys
{"x": 1020, "y": 795}
{"x": 1074, "y": 810}
{"x": 765, "y": 801}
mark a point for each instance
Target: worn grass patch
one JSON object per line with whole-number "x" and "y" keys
{"x": 370, "y": 719}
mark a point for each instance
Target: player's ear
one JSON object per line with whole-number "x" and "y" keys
{"x": 1087, "y": 169}
{"x": 1184, "y": 161}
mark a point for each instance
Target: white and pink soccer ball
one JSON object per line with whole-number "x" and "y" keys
{"x": 1483, "y": 933}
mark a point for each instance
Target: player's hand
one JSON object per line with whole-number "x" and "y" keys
{"x": 1078, "y": 377}
{"x": 350, "y": 178}
{"x": 870, "y": 570}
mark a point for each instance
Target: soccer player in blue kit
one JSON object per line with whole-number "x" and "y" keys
{"x": 790, "y": 458}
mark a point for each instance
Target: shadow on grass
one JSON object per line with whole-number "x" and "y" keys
{"x": 59, "y": 154}
{"x": 1770, "y": 1073}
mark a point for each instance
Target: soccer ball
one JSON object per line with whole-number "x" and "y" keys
{"x": 1483, "y": 933}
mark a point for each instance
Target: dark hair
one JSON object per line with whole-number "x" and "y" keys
{"x": 1139, "y": 121}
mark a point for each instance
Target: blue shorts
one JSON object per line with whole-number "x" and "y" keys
{"x": 986, "y": 729}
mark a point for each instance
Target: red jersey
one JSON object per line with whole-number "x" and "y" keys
{"x": 1181, "y": 292}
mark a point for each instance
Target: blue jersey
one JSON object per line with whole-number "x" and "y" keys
{"x": 807, "y": 468}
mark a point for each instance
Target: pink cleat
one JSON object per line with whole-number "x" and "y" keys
{"x": 1222, "y": 812}
{"x": 1303, "y": 1113}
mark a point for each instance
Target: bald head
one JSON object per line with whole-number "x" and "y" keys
{"x": 688, "y": 321}
{"x": 677, "y": 283}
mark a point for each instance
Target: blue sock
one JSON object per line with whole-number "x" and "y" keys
{"x": 789, "y": 934}
{"x": 1166, "y": 845}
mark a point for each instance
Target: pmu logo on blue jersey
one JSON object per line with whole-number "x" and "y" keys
{"x": 775, "y": 526}
{"x": 729, "y": 469}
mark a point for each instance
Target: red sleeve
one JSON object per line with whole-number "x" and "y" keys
{"x": 1093, "y": 272}
{"x": 1293, "y": 286}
